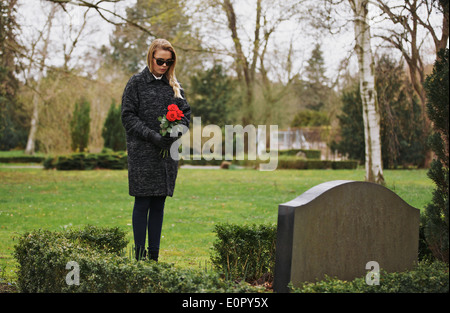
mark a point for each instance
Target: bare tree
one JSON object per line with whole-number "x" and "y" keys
{"x": 407, "y": 18}
{"x": 371, "y": 113}
{"x": 30, "y": 147}
{"x": 244, "y": 71}
{"x": 268, "y": 17}
{"x": 107, "y": 14}
{"x": 37, "y": 58}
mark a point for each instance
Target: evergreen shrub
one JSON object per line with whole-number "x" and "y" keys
{"x": 103, "y": 266}
{"x": 80, "y": 125}
{"x": 426, "y": 277}
{"x": 245, "y": 252}
{"x": 88, "y": 161}
{"x": 437, "y": 212}
{"x": 113, "y": 132}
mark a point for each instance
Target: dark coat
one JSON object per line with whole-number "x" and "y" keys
{"x": 144, "y": 100}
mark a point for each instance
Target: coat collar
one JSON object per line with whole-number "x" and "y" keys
{"x": 148, "y": 76}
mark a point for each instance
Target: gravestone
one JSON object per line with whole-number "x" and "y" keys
{"x": 337, "y": 227}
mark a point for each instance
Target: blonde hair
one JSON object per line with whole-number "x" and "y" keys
{"x": 170, "y": 74}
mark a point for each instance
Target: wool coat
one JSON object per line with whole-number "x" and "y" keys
{"x": 145, "y": 99}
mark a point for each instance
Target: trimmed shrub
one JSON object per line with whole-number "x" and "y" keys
{"x": 285, "y": 162}
{"x": 202, "y": 161}
{"x": 43, "y": 255}
{"x": 426, "y": 277}
{"x": 302, "y": 164}
{"x": 292, "y": 162}
{"x": 245, "y": 252}
{"x": 309, "y": 154}
{"x": 50, "y": 162}
{"x": 77, "y": 161}
{"x": 21, "y": 159}
{"x": 107, "y": 239}
{"x": 88, "y": 161}
{"x": 347, "y": 165}
{"x": 114, "y": 161}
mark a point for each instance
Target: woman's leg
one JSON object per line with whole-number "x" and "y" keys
{"x": 155, "y": 221}
{"x": 140, "y": 212}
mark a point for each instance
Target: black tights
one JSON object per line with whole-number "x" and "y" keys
{"x": 148, "y": 214}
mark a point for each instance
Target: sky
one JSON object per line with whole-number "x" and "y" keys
{"x": 32, "y": 16}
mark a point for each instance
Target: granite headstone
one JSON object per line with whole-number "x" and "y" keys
{"x": 337, "y": 227}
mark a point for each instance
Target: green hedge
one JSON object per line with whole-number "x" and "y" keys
{"x": 118, "y": 160}
{"x": 42, "y": 256}
{"x": 426, "y": 277}
{"x": 245, "y": 252}
{"x": 21, "y": 159}
{"x": 284, "y": 162}
{"x": 302, "y": 164}
{"x": 347, "y": 165}
{"x": 309, "y": 154}
{"x": 202, "y": 161}
{"x": 289, "y": 162}
{"x": 88, "y": 161}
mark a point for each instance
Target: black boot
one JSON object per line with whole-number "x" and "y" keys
{"x": 154, "y": 255}
{"x": 140, "y": 253}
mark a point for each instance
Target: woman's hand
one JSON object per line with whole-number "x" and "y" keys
{"x": 161, "y": 141}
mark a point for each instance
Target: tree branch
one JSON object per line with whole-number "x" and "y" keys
{"x": 101, "y": 10}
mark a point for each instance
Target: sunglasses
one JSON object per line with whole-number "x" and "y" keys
{"x": 160, "y": 62}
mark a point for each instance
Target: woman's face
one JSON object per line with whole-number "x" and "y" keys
{"x": 159, "y": 70}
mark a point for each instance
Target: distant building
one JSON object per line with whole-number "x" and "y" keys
{"x": 308, "y": 138}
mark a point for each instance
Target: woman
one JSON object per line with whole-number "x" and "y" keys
{"x": 151, "y": 177}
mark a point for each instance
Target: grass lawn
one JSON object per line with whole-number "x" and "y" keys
{"x": 36, "y": 198}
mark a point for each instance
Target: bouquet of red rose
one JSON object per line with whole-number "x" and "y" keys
{"x": 168, "y": 121}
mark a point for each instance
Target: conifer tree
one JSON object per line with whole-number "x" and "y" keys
{"x": 13, "y": 116}
{"x": 351, "y": 125}
{"x": 212, "y": 95}
{"x": 436, "y": 213}
{"x": 113, "y": 132}
{"x": 80, "y": 125}
{"x": 316, "y": 92}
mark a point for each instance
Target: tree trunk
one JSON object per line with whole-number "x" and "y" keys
{"x": 30, "y": 148}
{"x": 371, "y": 113}
{"x": 246, "y": 70}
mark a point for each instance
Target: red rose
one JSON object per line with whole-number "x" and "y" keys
{"x": 180, "y": 114}
{"x": 172, "y": 116}
{"x": 173, "y": 107}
